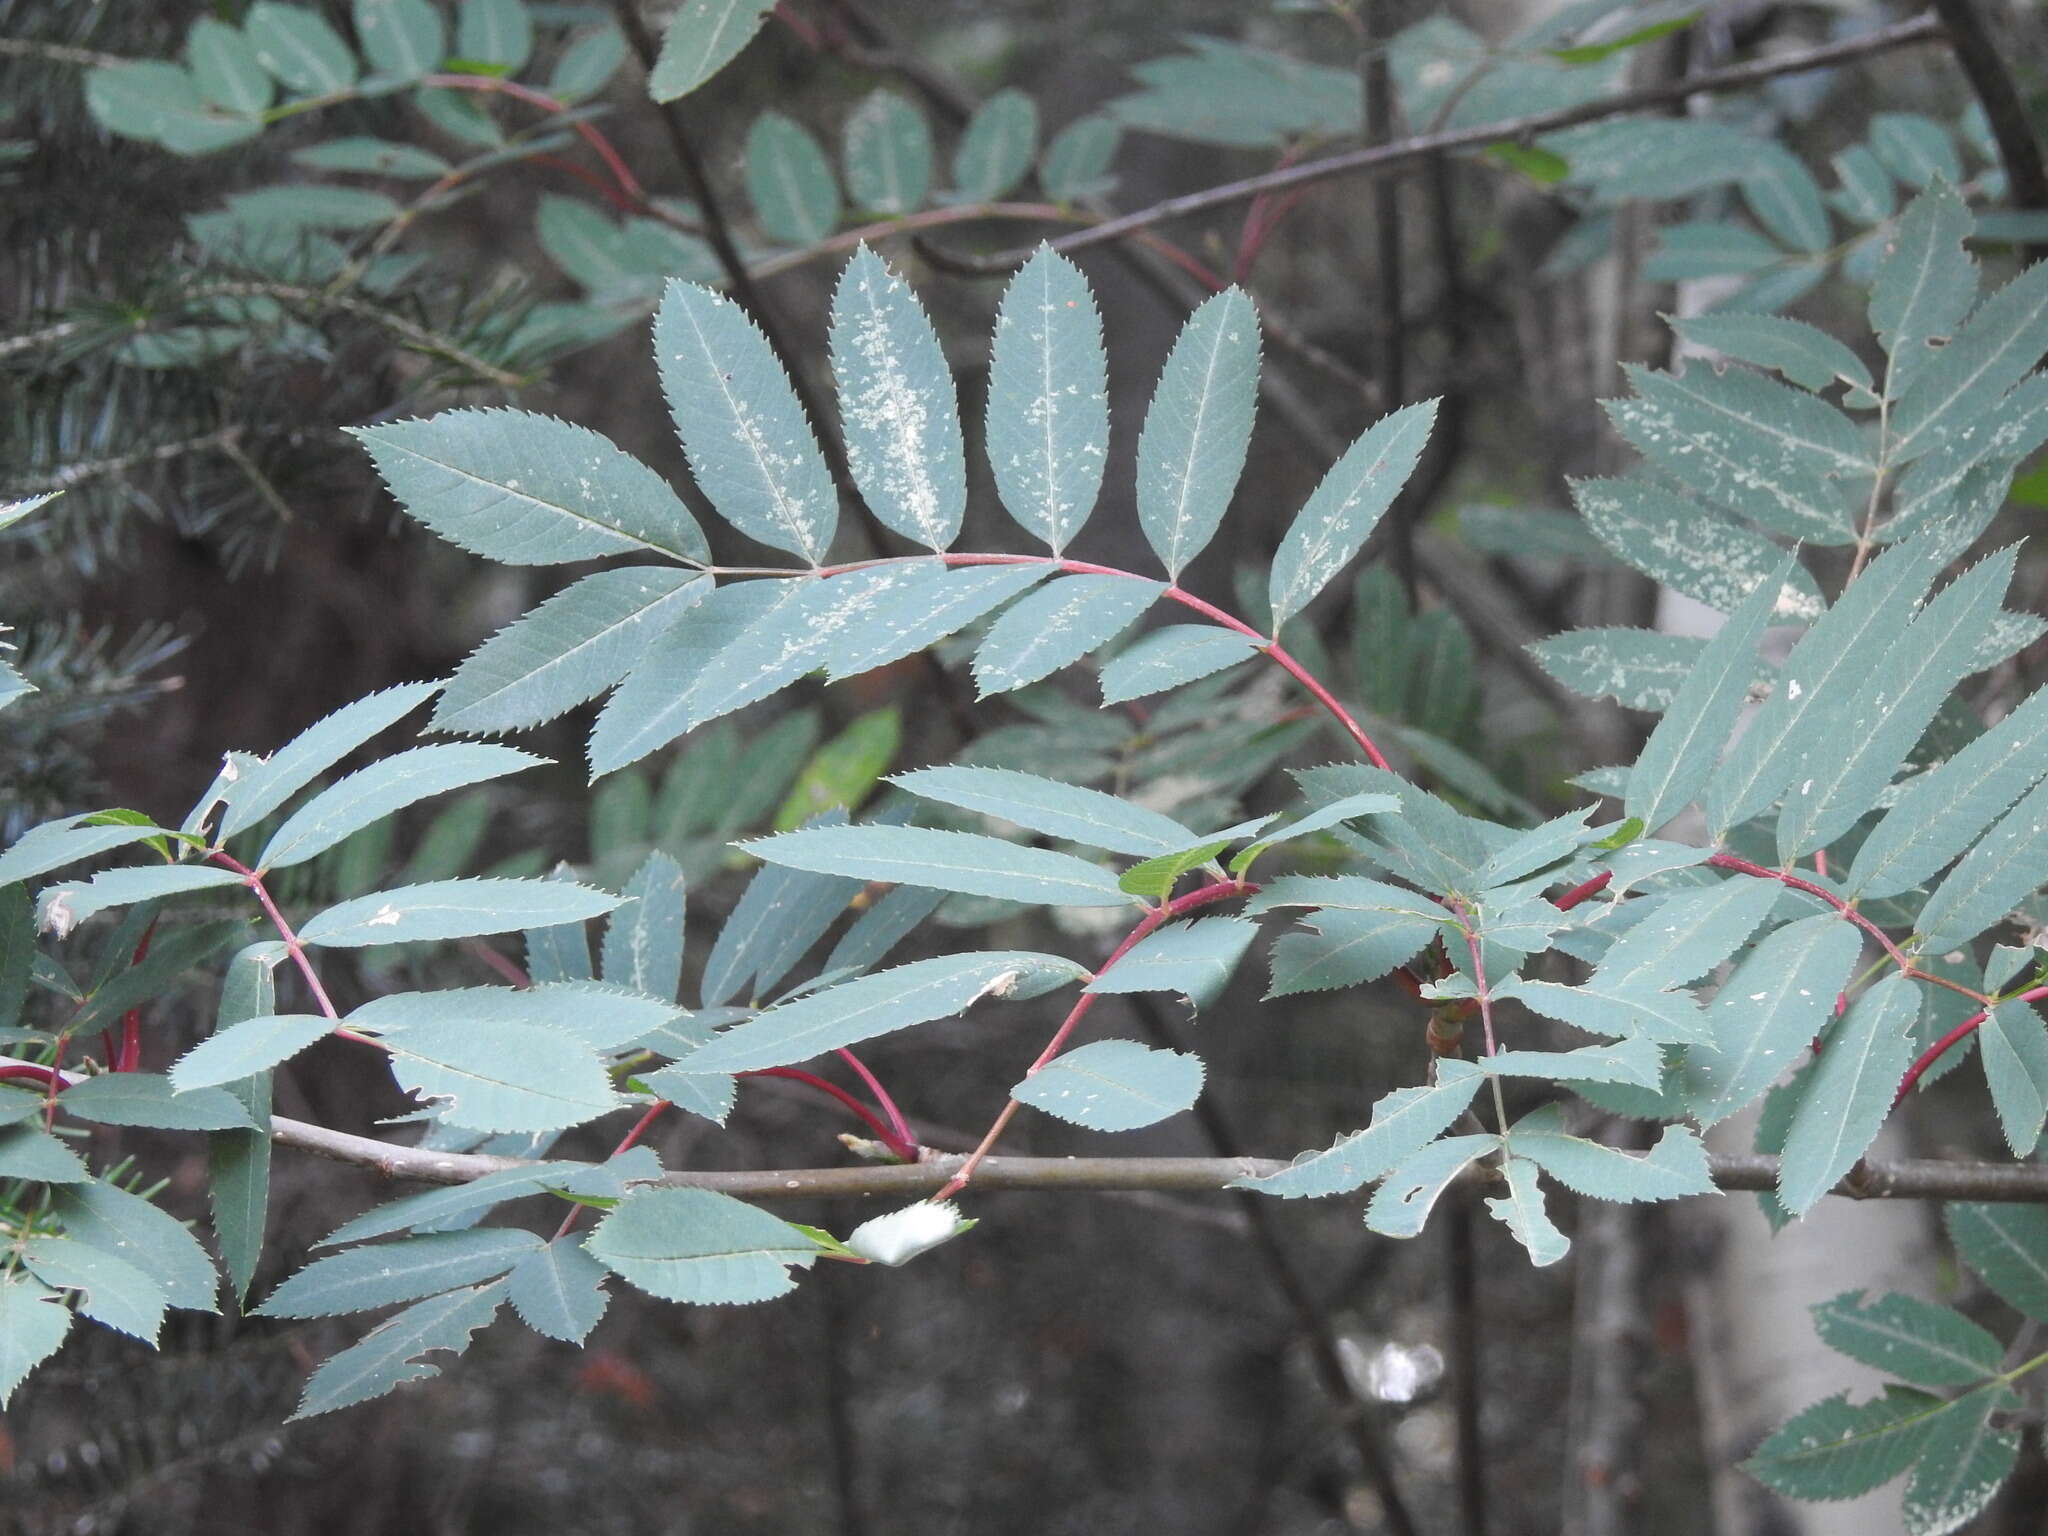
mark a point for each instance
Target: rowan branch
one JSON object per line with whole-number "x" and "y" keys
{"x": 1378, "y": 158}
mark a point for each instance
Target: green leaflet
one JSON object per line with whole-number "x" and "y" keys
{"x": 1805, "y": 354}
{"x": 1963, "y": 1461}
{"x": 782, "y": 914}
{"x": 996, "y": 148}
{"x": 242, "y": 1049}
{"x": 1770, "y": 1010}
{"x": 1636, "y": 1061}
{"x": 1056, "y": 626}
{"x": 1064, "y": 811}
{"x": 881, "y": 928}
{"x": 1402, "y": 1203}
{"x": 1167, "y": 658}
{"x": 262, "y": 786}
{"x": 1995, "y": 348}
{"x": 1686, "y": 546}
{"x": 57, "y": 843}
{"x": 28, "y": 1153}
{"x": 362, "y": 1279}
{"x": 1637, "y": 668}
{"x": 1915, "y": 148}
{"x": 1322, "y": 819}
{"x": 1227, "y": 94}
{"x": 1048, "y": 399}
{"x": 897, "y": 407}
{"x": 109, "y": 1290}
{"x": 1539, "y": 848}
{"x": 643, "y": 939}
{"x": 61, "y": 908}
{"x": 2008, "y": 1246}
{"x": 131, "y": 1228}
{"x": 1827, "y": 665}
{"x": 694, "y": 1245}
{"x": 1629, "y": 1007}
{"x": 1346, "y": 949}
{"x": 226, "y": 69}
{"x": 886, "y": 154}
{"x": 944, "y": 861}
{"x": 2013, "y": 1046}
{"x": 748, "y": 442}
{"x": 1790, "y": 461}
{"x": 926, "y": 603}
{"x": 157, "y": 101}
{"x": 1836, "y": 785}
{"x": 1992, "y": 878}
{"x": 1917, "y": 1341}
{"x": 1865, "y": 193}
{"x": 145, "y": 1098}
{"x": 877, "y": 1004}
{"x": 790, "y": 181}
{"x": 372, "y": 157}
{"x": 1837, "y": 1450}
{"x": 559, "y": 1291}
{"x": 1925, "y": 283}
{"x": 385, "y": 787}
{"x": 1943, "y": 809}
{"x": 1679, "y": 757}
{"x": 530, "y": 490}
{"x": 300, "y": 48}
{"x": 1684, "y": 934}
{"x": 388, "y": 1356}
{"x": 569, "y": 649}
{"x": 1113, "y": 1085}
{"x": 1076, "y": 163}
{"x": 702, "y": 37}
{"x": 1848, "y": 1092}
{"x": 495, "y": 32}
{"x": 1521, "y": 1211}
{"x": 33, "y": 1322}
{"x": 1333, "y": 526}
{"x": 454, "y": 909}
{"x": 1194, "y": 959}
{"x": 1674, "y": 1168}
{"x": 498, "y": 1076}
{"x": 458, "y": 1204}
{"x": 1198, "y": 427}
{"x": 1402, "y": 1122}
{"x": 402, "y": 39}
{"x": 238, "y": 1162}
{"x": 1786, "y": 200}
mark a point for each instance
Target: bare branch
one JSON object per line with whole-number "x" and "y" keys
{"x": 1977, "y": 55}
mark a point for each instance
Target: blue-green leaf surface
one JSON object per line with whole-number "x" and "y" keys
{"x": 1805, "y": 354}
{"x": 495, "y": 32}
{"x": 299, "y": 47}
{"x": 945, "y": 861}
{"x": 459, "y": 1204}
{"x": 1675, "y": 1167}
{"x": 530, "y": 490}
{"x": 1332, "y": 527}
{"x": 1769, "y": 1011}
{"x": 996, "y": 147}
{"x": 742, "y": 427}
{"x": 2008, "y": 1246}
{"x": 1048, "y": 399}
{"x": 1113, "y": 1085}
{"x": 388, "y": 1356}
{"x": 1076, "y": 163}
{"x": 1167, "y": 658}
{"x": 1402, "y": 1203}
{"x": 498, "y": 1076}
{"x": 702, "y": 37}
{"x": 1848, "y": 1092}
{"x": 33, "y": 1322}
{"x": 226, "y": 69}
{"x": 454, "y": 909}
{"x": 2013, "y": 1046}
{"x": 1198, "y": 427}
{"x": 131, "y": 1228}
{"x": 790, "y": 181}
{"x": 886, "y": 151}
{"x": 874, "y": 1005}
{"x": 559, "y": 1291}
{"x": 1992, "y": 878}
{"x": 61, "y": 908}
{"x": 643, "y": 940}
{"x": 1406, "y": 1119}
{"x": 1837, "y": 1449}
{"x": 1999, "y": 344}
{"x": 897, "y": 407}
{"x": 66, "y": 841}
{"x": 109, "y": 1290}
{"x": 242, "y": 1049}
{"x": 29, "y": 1153}
{"x": 1970, "y": 1449}
{"x": 381, "y": 1274}
{"x": 697, "y": 1246}
{"x": 402, "y": 39}
{"x": 1065, "y": 811}
{"x": 1056, "y": 626}
{"x": 262, "y": 787}
{"x": 1521, "y": 1211}
{"x": 1193, "y": 959}
{"x": 1925, "y": 283}
{"x": 1690, "y": 548}
{"x": 146, "y": 1098}
{"x": 370, "y": 794}
{"x": 1903, "y": 1336}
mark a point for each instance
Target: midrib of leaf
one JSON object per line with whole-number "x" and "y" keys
{"x": 561, "y": 659}
{"x": 1194, "y": 446}
{"x": 506, "y": 493}
{"x": 2016, "y": 329}
{"x": 1918, "y": 1342}
{"x": 475, "y": 1075}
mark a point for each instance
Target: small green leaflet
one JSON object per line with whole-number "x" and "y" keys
{"x": 531, "y": 490}
{"x": 1336, "y": 812}
{"x": 373, "y": 157}
{"x": 603, "y": 1017}
{"x": 1769, "y": 1010}
{"x": 388, "y": 1356}
{"x": 240, "y": 1050}
{"x": 402, "y": 39}
{"x": 1925, "y": 283}
{"x": 145, "y": 1098}
{"x": 33, "y": 1322}
{"x": 110, "y": 1291}
{"x": 1692, "y": 549}
{"x": 874, "y": 1005}
{"x": 1684, "y": 934}
{"x": 698, "y": 1246}
{"x": 794, "y": 192}
{"x": 1192, "y": 448}
{"x": 1076, "y": 163}
{"x": 1996, "y": 348}
{"x": 559, "y": 1291}
{"x": 1837, "y": 1450}
{"x": 499, "y": 1076}
{"x": 1402, "y": 1203}
{"x": 458, "y": 1204}
{"x": 1521, "y": 1211}
{"x": 454, "y": 909}
{"x": 569, "y": 649}
{"x": 643, "y": 941}
{"x": 897, "y": 406}
{"x": 28, "y": 1153}
{"x": 1167, "y": 658}
{"x": 1113, "y": 1085}
{"x": 1917, "y": 1341}
{"x": 1540, "y": 847}
{"x": 61, "y": 908}
{"x": 924, "y": 603}
{"x": 131, "y": 1228}
{"x": 1848, "y": 1093}
{"x": 783, "y": 913}
{"x": 2013, "y": 1046}
{"x": 1048, "y": 399}
{"x": 944, "y": 861}
{"x": 2008, "y": 1246}
{"x": 238, "y": 1162}
{"x": 57, "y": 843}
{"x": 1681, "y": 752}
{"x": 703, "y": 36}
{"x": 370, "y": 794}
{"x": 498, "y": 32}
{"x": 226, "y": 69}
{"x": 1346, "y": 949}
{"x": 886, "y": 154}
{"x": 1627, "y": 1007}
{"x": 1194, "y": 959}
{"x": 1786, "y": 200}
{"x": 1402, "y": 1122}
{"x": 1992, "y": 878}
{"x": 1637, "y": 668}
{"x": 1675, "y": 1167}
{"x": 1155, "y": 878}
{"x": 1805, "y": 354}
{"x": 1056, "y": 626}
{"x": 300, "y": 48}
{"x": 1065, "y": 811}
{"x": 1916, "y": 149}
{"x": 258, "y": 789}
{"x": 748, "y": 442}
{"x": 405, "y": 1270}
{"x": 1332, "y": 528}
{"x": 996, "y": 148}
{"x": 1963, "y": 1460}
{"x": 155, "y": 100}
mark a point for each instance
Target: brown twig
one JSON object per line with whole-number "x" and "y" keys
{"x": 1978, "y": 57}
